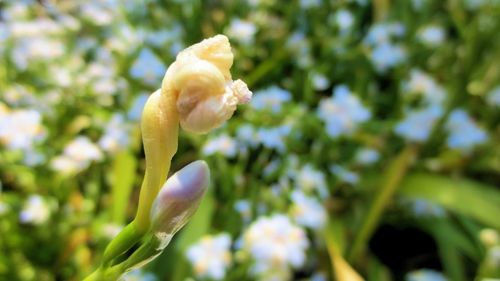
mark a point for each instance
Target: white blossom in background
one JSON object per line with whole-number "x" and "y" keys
{"x": 138, "y": 275}
{"x": 32, "y": 49}
{"x": 21, "y": 128}
{"x": 116, "y": 134}
{"x": 418, "y": 124}
{"x": 310, "y": 179}
{"x": 276, "y": 246}
{"x": 210, "y": 257}
{"x": 242, "y": 31}
{"x": 342, "y": 112}
{"x": 493, "y": 97}
{"x": 425, "y": 275}
{"x": 423, "y": 84}
{"x": 271, "y": 98}
{"x": 35, "y": 210}
{"x": 3, "y": 208}
{"x": 77, "y": 156}
{"x": 110, "y": 230}
{"x": 367, "y": 156}
{"x": 432, "y": 35}
{"x": 464, "y": 134}
{"x": 222, "y": 144}
{"x": 96, "y": 12}
{"x": 344, "y": 174}
{"x": 307, "y": 211}
{"x": 148, "y": 68}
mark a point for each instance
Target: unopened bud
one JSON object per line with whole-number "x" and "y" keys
{"x": 178, "y": 200}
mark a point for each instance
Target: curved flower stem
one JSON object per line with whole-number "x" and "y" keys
{"x": 159, "y": 126}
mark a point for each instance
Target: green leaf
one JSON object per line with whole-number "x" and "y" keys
{"x": 466, "y": 197}
{"x": 123, "y": 177}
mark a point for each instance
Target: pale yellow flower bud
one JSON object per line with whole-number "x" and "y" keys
{"x": 200, "y": 78}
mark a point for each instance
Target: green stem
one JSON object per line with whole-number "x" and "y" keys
{"x": 392, "y": 178}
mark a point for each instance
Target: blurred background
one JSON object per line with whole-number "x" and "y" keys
{"x": 371, "y": 147}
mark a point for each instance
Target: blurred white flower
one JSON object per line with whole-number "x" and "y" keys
{"x": 418, "y": 124}
{"x": 271, "y": 98}
{"x": 223, "y": 144}
{"x": 30, "y": 49}
{"x": 210, "y": 256}
{"x": 423, "y": 84}
{"x": 309, "y": 179}
{"x": 274, "y": 138}
{"x": 307, "y": 211}
{"x": 110, "y": 230}
{"x": 116, "y": 135}
{"x": 21, "y": 129}
{"x": 367, "y": 156}
{"x": 276, "y": 245}
{"x": 96, "y": 12}
{"x": 3, "y": 208}
{"x": 148, "y": 68}
{"x": 342, "y": 112}
{"x": 432, "y": 35}
{"x": 35, "y": 210}
{"x": 344, "y": 174}
{"x": 464, "y": 133}
{"x": 138, "y": 275}
{"x": 77, "y": 156}
{"x": 242, "y": 31}
{"x": 425, "y": 275}
{"x": 493, "y": 97}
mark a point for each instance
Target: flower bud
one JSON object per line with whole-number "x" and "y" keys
{"x": 206, "y": 94}
{"x": 178, "y": 200}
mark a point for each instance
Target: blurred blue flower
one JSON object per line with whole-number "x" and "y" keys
{"x": 418, "y": 124}
{"x": 116, "y": 135}
{"x": 222, "y": 144}
{"x": 493, "y": 97}
{"x": 307, "y": 211}
{"x": 271, "y": 98}
{"x": 148, "y": 68}
{"x": 310, "y": 179}
{"x": 342, "y": 112}
{"x": 464, "y": 133}
{"x": 366, "y": 156}
{"x": 274, "y": 138}
{"x": 387, "y": 55}
{"x": 432, "y": 35}
{"x": 135, "y": 111}
{"x": 425, "y": 275}
{"x": 344, "y": 174}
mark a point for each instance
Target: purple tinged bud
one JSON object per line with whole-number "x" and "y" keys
{"x": 178, "y": 200}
